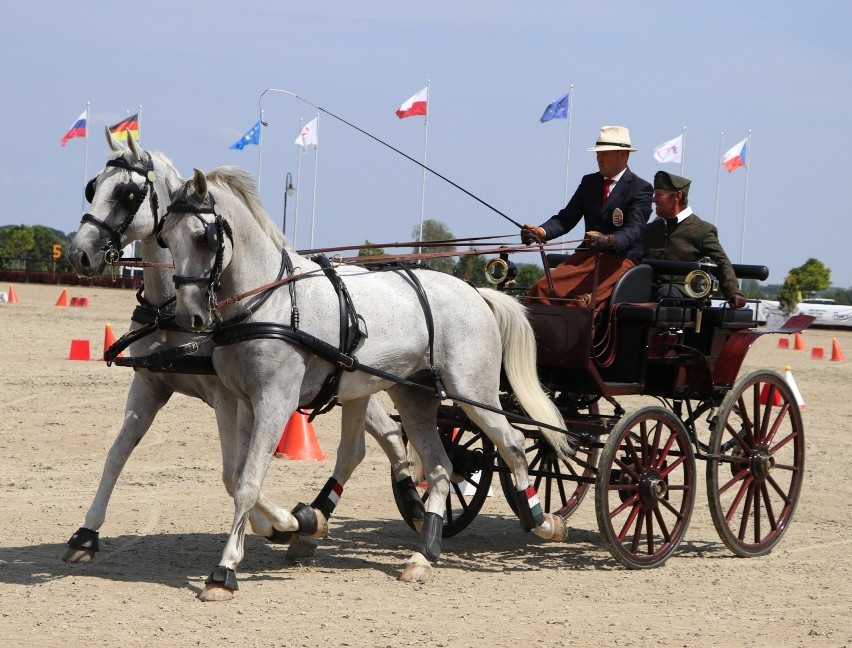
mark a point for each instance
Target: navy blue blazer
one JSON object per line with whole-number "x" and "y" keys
{"x": 631, "y": 194}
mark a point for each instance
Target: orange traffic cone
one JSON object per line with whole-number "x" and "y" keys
{"x": 299, "y": 440}
{"x": 764, "y": 395}
{"x": 13, "y": 297}
{"x": 79, "y": 350}
{"x": 800, "y": 343}
{"x": 109, "y": 340}
{"x": 791, "y": 383}
{"x": 783, "y": 343}
{"x": 836, "y": 353}
{"x": 63, "y": 298}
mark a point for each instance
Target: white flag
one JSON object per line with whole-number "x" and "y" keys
{"x": 671, "y": 151}
{"x": 308, "y": 135}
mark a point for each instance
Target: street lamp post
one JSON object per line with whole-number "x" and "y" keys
{"x": 289, "y": 190}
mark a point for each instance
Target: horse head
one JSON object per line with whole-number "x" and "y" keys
{"x": 198, "y": 237}
{"x": 126, "y": 199}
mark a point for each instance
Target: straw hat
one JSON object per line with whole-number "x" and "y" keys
{"x": 613, "y": 138}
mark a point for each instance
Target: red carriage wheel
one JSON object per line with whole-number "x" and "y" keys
{"x": 754, "y": 484}
{"x": 472, "y": 454}
{"x": 645, "y": 487}
{"x": 561, "y": 485}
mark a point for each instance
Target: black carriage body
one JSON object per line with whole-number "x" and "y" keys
{"x": 636, "y": 346}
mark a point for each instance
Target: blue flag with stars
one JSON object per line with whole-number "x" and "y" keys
{"x": 252, "y": 136}
{"x": 556, "y": 110}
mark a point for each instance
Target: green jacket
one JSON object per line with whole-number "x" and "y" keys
{"x": 690, "y": 240}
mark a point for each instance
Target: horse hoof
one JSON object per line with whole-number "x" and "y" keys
{"x": 553, "y": 528}
{"x": 301, "y": 549}
{"x": 416, "y": 573}
{"x": 215, "y": 592}
{"x": 78, "y": 556}
{"x": 322, "y": 526}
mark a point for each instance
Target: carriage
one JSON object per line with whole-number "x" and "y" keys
{"x": 563, "y": 405}
{"x": 642, "y": 461}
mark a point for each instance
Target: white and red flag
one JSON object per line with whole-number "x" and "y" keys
{"x": 308, "y": 136}
{"x": 671, "y": 151}
{"x": 416, "y": 105}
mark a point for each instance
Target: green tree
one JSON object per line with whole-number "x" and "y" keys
{"x": 471, "y": 268}
{"x": 435, "y": 230}
{"x": 788, "y": 296}
{"x": 369, "y": 250}
{"x": 812, "y": 277}
{"x": 528, "y": 274}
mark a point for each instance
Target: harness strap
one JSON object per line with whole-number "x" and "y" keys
{"x": 440, "y": 390}
{"x": 324, "y": 350}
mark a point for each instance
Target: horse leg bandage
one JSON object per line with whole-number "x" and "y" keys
{"x": 84, "y": 538}
{"x": 412, "y": 505}
{"x": 224, "y": 576}
{"x": 430, "y": 536}
{"x": 529, "y": 508}
{"x": 328, "y": 497}
{"x": 306, "y": 517}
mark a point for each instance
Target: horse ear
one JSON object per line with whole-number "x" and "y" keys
{"x": 199, "y": 181}
{"x": 134, "y": 147}
{"x": 113, "y": 143}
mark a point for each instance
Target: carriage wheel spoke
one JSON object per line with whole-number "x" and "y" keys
{"x": 747, "y": 508}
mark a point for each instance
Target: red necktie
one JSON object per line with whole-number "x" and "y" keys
{"x": 607, "y": 183}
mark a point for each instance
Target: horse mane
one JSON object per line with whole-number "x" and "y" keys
{"x": 243, "y": 185}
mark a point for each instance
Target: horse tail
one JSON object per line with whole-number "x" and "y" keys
{"x": 519, "y": 363}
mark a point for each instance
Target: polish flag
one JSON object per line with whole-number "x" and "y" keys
{"x": 736, "y": 156}
{"x": 416, "y": 105}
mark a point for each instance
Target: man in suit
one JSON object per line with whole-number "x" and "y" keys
{"x": 615, "y": 203}
{"x": 678, "y": 234}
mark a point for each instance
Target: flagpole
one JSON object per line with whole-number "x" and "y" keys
{"x": 298, "y": 184}
{"x": 425, "y": 146}
{"x": 745, "y": 196}
{"x": 260, "y": 149}
{"x": 86, "y": 156}
{"x": 682, "y": 150}
{"x": 718, "y": 178}
{"x": 568, "y": 145}
{"x": 316, "y": 166}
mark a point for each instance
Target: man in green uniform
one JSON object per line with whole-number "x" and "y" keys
{"x": 678, "y": 234}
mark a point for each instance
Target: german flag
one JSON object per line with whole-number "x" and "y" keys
{"x": 129, "y": 125}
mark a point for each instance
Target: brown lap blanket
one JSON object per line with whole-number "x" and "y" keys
{"x": 574, "y": 280}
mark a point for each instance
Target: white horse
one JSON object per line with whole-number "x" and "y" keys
{"x": 127, "y": 200}
{"x": 435, "y": 334}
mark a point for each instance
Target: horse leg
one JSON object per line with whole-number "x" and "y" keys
{"x": 253, "y": 460}
{"x": 418, "y": 410}
{"x": 509, "y": 443}
{"x": 146, "y": 397}
{"x": 350, "y": 453}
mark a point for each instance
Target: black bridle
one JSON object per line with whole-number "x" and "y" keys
{"x": 213, "y": 238}
{"x": 130, "y": 197}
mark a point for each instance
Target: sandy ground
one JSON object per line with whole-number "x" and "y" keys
{"x": 495, "y": 585}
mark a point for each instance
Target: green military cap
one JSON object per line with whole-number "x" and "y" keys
{"x": 664, "y": 180}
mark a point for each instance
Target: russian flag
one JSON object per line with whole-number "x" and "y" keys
{"x": 77, "y": 130}
{"x": 736, "y": 157}
{"x": 416, "y": 105}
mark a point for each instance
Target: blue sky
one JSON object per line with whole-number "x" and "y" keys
{"x": 781, "y": 69}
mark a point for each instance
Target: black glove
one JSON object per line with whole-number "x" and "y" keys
{"x": 601, "y": 243}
